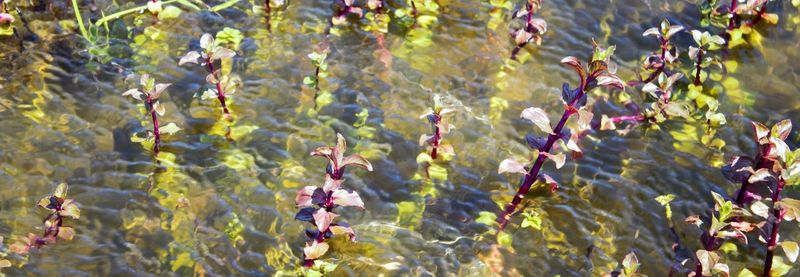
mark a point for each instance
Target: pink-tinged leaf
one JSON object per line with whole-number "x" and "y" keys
{"x": 6, "y": 18}
{"x": 374, "y": 4}
{"x": 606, "y": 123}
{"x": 135, "y": 93}
{"x": 158, "y": 90}
{"x": 760, "y": 209}
{"x": 544, "y": 178}
{"x": 743, "y": 226}
{"x": 356, "y": 10}
{"x": 651, "y": 32}
{"x": 779, "y": 150}
{"x": 789, "y": 207}
{"x": 159, "y": 108}
{"x": 315, "y": 250}
{"x": 521, "y": 37}
{"x": 190, "y": 57}
{"x": 338, "y": 20}
{"x": 694, "y": 219}
{"x": 761, "y": 133}
{"x": 145, "y": 81}
{"x": 341, "y": 230}
{"x": 762, "y": 174}
{"x": 222, "y": 53}
{"x": 66, "y": 233}
{"x": 445, "y": 127}
{"x": 673, "y": 30}
{"x": 559, "y": 158}
{"x": 538, "y": 117}
{"x": 344, "y": 198}
{"x": 331, "y": 184}
{"x": 708, "y": 260}
{"x": 303, "y": 198}
{"x": 584, "y": 119}
{"x": 693, "y": 52}
{"x": 781, "y": 129}
{"x": 211, "y": 78}
{"x": 575, "y": 64}
{"x": 206, "y": 41}
{"x": 610, "y": 80}
{"x": 323, "y": 219}
{"x": 357, "y": 160}
{"x": 572, "y": 145}
{"x": 424, "y": 139}
{"x": 539, "y": 24}
{"x": 512, "y": 166}
{"x": 70, "y": 209}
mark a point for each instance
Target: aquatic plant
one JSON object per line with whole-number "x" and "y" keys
{"x": 598, "y": 73}
{"x": 149, "y": 92}
{"x": 60, "y": 208}
{"x": 437, "y": 116}
{"x": 737, "y": 18}
{"x": 532, "y": 30}
{"x": 628, "y": 268}
{"x": 326, "y": 198}
{"x": 775, "y": 167}
{"x": 225, "y": 83}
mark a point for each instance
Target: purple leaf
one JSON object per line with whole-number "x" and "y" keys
{"x": 534, "y": 141}
{"x": 305, "y": 214}
{"x": 318, "y": 196}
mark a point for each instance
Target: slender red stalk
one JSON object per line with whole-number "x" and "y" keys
{"x": 533, "y": 173}
{"x": 437, "y": 135}
{"x": 698, "y": 67}
{"x": 773, "y": 238}
{"x": 154, "y": 116}
{"x": 220, "y": 92}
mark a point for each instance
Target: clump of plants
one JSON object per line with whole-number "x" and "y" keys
{"x": 217, "y": 60}
{"x": 60, "y": 208}
{"x": 318, "y": 203}
{"x": 598, "y": 73}
{"x": 531, "y": 31}
{"x": 149, "y": 93}
{"x": 737, "y": 18}
{"x": 763, "y": 179}
{"x": 322, "y": 97}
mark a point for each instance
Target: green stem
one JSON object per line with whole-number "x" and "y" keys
{"x": 79, "y": 18}
{"x": 223, "y": 6}
{"x": 119, "y": 14}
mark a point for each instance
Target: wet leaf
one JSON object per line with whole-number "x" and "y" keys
{"x": 575, "y": 64}
{"x": 760, "y": 209}
{"x": 630, "y": 264}
{"x": 486, "y": 218}
{"x": 135, "y": 93}
{"x": 559, "y": 158}
{"x": 303, "y": 197}
{"x": 538, "y": 117}
{"x": 790, "y": 207}
{"x": 70, "y": 209}
{"x": 781, "y": 129}
{"x": 190, "y": 57}
{"x": 315, "y": 250}
{"x": 511, "y": 166}
{"x": 331, "y": 184}
{"x": 206, "y": 41}
{"x": 344, "y": 198}
{"x": 761, "y": 132}
{"x": 791, "y": 249}
{"x": 66, "y": 233}
{"x": 323, "y": 219}
{"x": 357, "y": 160}
{"x": 169, "y": 129}
{"x": 762, "y": 174}
{"x": 584, "y": 119}
{"x": 341, "y": 230}
{"x": 61, "y": 191}
{"x": 535, "y": 142}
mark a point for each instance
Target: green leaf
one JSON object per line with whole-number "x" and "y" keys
{"x": 230, "y": 36}
{"x": 169, "y": 12}
{"x": 486, "y": 218}
{"x": 791, "y": 249}
{"x": 533, "y": 220}
{"x": 504, "y": 239}
{"x": 630, "y": 264}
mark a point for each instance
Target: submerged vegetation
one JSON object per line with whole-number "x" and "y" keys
{"x": 219, "y": 193}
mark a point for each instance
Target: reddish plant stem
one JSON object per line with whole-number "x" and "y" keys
{"x": 437, "y": 135}
{"x": 413, "y": 9}
{"x": 220, "y": 92}
{"x": 760, "y": 162}
{"x": 156, "y": 132}
{"x": 533, "y": 173}
{"x": 773, "y": 238}
{"x": 698, "y": 67}
{"x": 759, "y": 15}
{"x": 528, "y": 28}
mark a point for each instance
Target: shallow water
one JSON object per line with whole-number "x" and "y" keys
{"x": 67, "y": 122}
